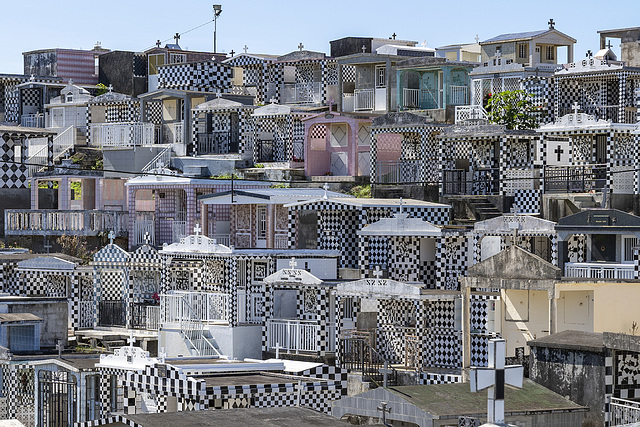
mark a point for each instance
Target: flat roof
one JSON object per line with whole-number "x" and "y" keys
{"x": 20, "y": 130}
{"x": 19, "y": 318}
{"x": 257, "y": 417}
{"x": 572, "y": 340}
{"x": 367, "y": 202}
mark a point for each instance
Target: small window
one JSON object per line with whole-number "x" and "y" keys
{"x": 522, "y": 51}
{"x": 381, "y": 80}
{"x": 177, "y": 58}
{"x": 629, "y": 244}
{"x": 498, "y": 51}
{"x": 154, "y": 62}
{"x": 69, "y": 97}
{"x": 262, "y": 222}
{"x": 550, "y": 53}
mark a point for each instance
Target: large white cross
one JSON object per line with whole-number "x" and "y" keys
{"x": 162, "y": 355}
{"x": 494, "y": 377}
{"x": 131, "y": 339}
{"x": 576, "y": 108}
{"x": 197, "y": 229}
{"x": 325, "y": 187}
{"x": 377, "y": 272}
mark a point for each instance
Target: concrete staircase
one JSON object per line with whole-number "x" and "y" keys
{"x": 482, "y": 208}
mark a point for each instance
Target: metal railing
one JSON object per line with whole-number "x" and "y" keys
{"x": 207, "y": 307}
{"x": 281, "y": 241}
{"x": 221, "y": 239}
{"x": 478, "y": 182}
{"x": 178, "y": 230}
{"x": 357, "y": 355}
{"x": 348, "y": 102}
{"x": 410, "y": 98}
{"x": 421, "y": 98}
{"x": 217, "y": 143}
{"x": 122, "y": 134}
{"x": 59, "y": 222}
{"x": 192, "y": 330}
{"x": 364, "y": 99}
{"x": 142, "y": 228}
{"x": 265, "y": 151}
{"x": 470, "y": 112}
{"x": 161, "y": 160}
{"x": 575, "y": 179}
{"x": 112, "y": 313}
{"x": 144, "y": 316}
{"x": 249, "y": 308}
{"x": 62, "y": 144}
{"x": 172, "y": 133}
{"x": 397, "y": 171}
{"x": 292, "y": 335}
{"x": 599, "y": 270}
{"x": 623, "y": 412}
{"x": 301, "y": 93}
{"x": 32, "y": 120}
{"x": 298, "y": 151}
{"x": 458, "y": 95}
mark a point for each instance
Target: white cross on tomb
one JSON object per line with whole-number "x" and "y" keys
{"x": 576, "y": 108}
{"x": 246, "y": 48}
{"x": 111, "y": 236}
{"x": 326, "y": 188}
{"x": 110, "y": 88}
{"x": 197, "y": 229}
{"x": 131, "y": 340}
{"x": 494, "y": 377}
{"x": 162, "y": 355}
{"x": 377, "y": 272}
{"x": 293, "y": 263}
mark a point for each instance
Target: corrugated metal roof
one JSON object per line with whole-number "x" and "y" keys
{"x": 515, "y": 36}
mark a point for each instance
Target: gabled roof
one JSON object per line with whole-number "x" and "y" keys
{"x": 272, "y": 110}
{"x": 529, "y": 35}
{"x": 401, "y": 225}
{"x": 47, "y": 264}
{"x": 220, "y": 104}
{"x": 196, "y": 244}
{"x": 111, "y": 97}
{"x": 373, "y": 203}
{"x": 111, "y": 253}
{"x": 292, "y": 275}
{"x": 601, "y": 221}
{"x": 503, "y": 224}
{"x": 514, "y": 263}
{"x": 267, "y": 196}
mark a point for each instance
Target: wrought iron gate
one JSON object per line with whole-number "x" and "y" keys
{"x": 57, "y": 399}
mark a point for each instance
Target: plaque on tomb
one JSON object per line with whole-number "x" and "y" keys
{"x": 601, "y": 220}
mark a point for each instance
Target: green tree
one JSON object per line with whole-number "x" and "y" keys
{"x": 513, "y": 108}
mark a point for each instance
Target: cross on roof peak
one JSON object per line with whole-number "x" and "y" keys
{"x": 232, "y": 53}
{"x": 394, "y": 35}
{"x": 219, "y": 94}
{"x": 494, "y": 377}
{"x": 162, "y": 355}
{"x": 32, "y": 78}
{"x": 110, "y": 88}
{"x": 131, "y": 339}
{"x": 589, "y": 53}
{"x": 197, "y": 229}
{"x": 424, "y": 43}
{"x": 477, "y": 39}
{"x": 111, "y": 236}
{"x": 177, "y": 37}
{"x": 575, "y": 107}
{"x": 608, "y": 45}
{"x": 245, "y": 48}
{"x": 158, "y": 43}
{"x": 293, "y": 263}
{"x": 552, "y": 25}
{"x": 377, "y": 273}
{"x": 273, "y": 100}
{"x": 300, "y": 46}
{"x": 326, "y": 188}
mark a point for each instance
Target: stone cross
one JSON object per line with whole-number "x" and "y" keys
{"x": 111, "y": 236}
{"x": 162, "y": 355}
{"x": 245, "y": 48}
{"x": 146, "y": 237}
{"x": 383, "y": 408}
{"x": 494, "y": 377}
{"x": 293, "y": 263}
{"x": 110, "y": 87}
{"x": 177, "y": 37}
{"x": 46, "y": 244}
{"x": 559, "y": 152}
{"x": 158, "y": 43}
{"x": 273, "y": 100}
{"x": 197, "y": 229}
{"x": 364, "y": 48}
{"x": 477, "y": 39}
{"x": 300, "y": 46}
{"x": 608, "y": 45}
{"x": 377, "y": 272}
{"x": 326, "y": 188}
{"x": 59, "y": 347}
{"x": 393, "y": 35}
{"x": 551, "y": 24}
{"x": 232, "y": 53}
{"x": 385, "y": 371}
{"x": 131, "y": 339}
{"x": 575, "y": 107}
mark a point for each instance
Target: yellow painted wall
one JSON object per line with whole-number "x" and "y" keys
{"x": 615, "y": 305}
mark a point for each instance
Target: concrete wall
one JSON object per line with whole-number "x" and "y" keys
{"x": 13, "y": 198}
{"x": 577, "y": 375}
{"x": 55, "y": 316}
{"x": 116, "y": 69}
{"x": 526, "y": 317}
{"x": 237, "y": 343}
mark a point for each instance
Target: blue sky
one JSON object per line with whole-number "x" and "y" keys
{"x": 277, "y": 26}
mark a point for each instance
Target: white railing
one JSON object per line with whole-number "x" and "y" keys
{"x": 142, "y": 228}
{"x": 32, "y": 120}
{"x": 348, "y": 102}
{"x": 207, "y": 307}
{"x": 301, "y": 93}
{"x": 598, "y": 270}
{"x": 397, "y": 171}
{"x": 161, "y": 160}
{"x": 364, "y": 99}
{"x": 122, "y": 135}
{"x": 64, "y": 142}
{"x": 250, "y": 308}
{"x": 192, "y": 330}
{"x": 410, "y": 98}
{"x": 292, "y": 335}
{"x": 178, "y": 230}
{"x": 458, "y": 95}
{"x": 37, "y": 160}
{"x": 518, "y": 179}
{"x": 59, "y": 222}
{"x": 172, "y": 133}
{"x": 221, "y": 239}
{"x": 281, "y": 241}
{"x": 152, "y": 317}
{"x": 624, "y": 412}
{"x": 470, "y": 112}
